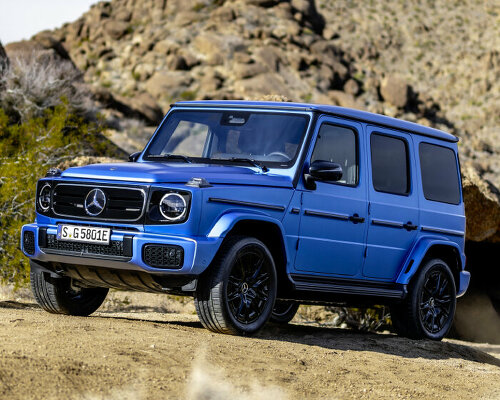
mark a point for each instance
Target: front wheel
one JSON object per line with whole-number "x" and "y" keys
{"x": 58, "y": 296}
{"x": 428, "y": 310}
{"x": 237, "y": 294}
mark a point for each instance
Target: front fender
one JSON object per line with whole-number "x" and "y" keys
{"x": 417, "y": 254}
{"x": 228, "y": 220}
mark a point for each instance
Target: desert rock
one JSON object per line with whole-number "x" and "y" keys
{"x": 482, "y": 207}
{"x": 395, "y": 91}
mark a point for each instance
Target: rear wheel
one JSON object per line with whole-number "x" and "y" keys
{"x": 236, "y": 295}
{"x": 429, "y": 308}
{"x": 284, "y": 311}
{"x": 58, "y": 296}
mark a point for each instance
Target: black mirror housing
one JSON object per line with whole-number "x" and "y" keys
{"x": 134, "y": 156}
{"x": 326, "y": 171}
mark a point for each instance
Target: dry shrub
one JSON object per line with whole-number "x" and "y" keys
{"x": 33, "y": 83}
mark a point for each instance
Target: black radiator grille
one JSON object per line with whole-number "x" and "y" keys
{"x": 29, "y": 242}
{"x": 122, "y": 203}
{"x": 114, "y": 249}
{"x": 163, "y": 256}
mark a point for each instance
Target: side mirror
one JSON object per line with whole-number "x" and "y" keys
{"x": 134, "y": 156}
{"x": 325, "y": 171}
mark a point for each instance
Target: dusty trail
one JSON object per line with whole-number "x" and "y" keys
{"x": 147, "y": 354}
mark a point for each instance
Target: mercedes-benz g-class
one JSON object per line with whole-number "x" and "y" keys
{"x": 254, "y": 208}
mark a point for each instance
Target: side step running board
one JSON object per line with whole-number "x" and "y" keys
{"x": 314, "y": 283}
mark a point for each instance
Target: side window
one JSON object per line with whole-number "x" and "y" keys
{"x": 338, "y": 144}
{"x": 390, "y": 166}
{"x": 440, "y": 180}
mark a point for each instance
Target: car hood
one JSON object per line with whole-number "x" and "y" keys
{"x": 177, "y": 173}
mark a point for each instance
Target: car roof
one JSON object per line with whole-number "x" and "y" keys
{"x": 358, "y": 115}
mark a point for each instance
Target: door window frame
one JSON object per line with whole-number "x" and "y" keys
{"x": 356, "y": 126}
{"x": 457, "y": 164}
{"x": 409, "y": 171}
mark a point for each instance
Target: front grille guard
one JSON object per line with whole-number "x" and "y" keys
{"x": 72, "y": 196}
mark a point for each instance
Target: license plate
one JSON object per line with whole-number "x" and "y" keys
{"x": 85, "y": 234}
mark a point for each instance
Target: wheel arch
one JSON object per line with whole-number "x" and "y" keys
{"x": 429, "y": 248}
{"x": 266, "y": 229}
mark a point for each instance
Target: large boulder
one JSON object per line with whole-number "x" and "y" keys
{"x": 344, "y": 99}
{"x": 43, "y": 43}
{"x": 168, "y": 84}
{"x": 308, "y": 15}
{"x": 395, "y": 91}
{"x": 145, "y": 106}
{"x": 142, "y": 106}
{"x": 482, "y": 207}
{"x": 116, "y": 29}
{"x": 262, "y": 84}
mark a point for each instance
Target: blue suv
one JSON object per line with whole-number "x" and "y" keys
{"x": 254, "y": 208}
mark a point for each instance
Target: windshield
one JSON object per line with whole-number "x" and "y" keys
{"x": 270, "y": 139}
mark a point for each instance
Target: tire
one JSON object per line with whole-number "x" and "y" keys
{"x": 284, "y": 311}
{"x": 429, "y": 308}
{"x": 236, "y": 295}
{"x": 56, "y": 295}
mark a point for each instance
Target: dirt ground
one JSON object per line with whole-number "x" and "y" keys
{"x": 141, "y": 346}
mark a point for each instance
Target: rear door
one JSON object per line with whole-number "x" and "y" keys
{"x": 331, "y": 241}
{"x": 393, "y": 202}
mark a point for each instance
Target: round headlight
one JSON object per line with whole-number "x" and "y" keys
{"x": 44, "y": 198}
{"x": 173, "y": 206}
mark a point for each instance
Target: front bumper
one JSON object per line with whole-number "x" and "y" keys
{"x": 197, "y": 252}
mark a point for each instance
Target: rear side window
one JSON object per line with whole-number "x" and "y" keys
{"x": 390, "y": 171}
{"x": 440, "y": 180}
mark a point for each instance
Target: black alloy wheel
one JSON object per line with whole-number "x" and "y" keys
{"x": 436, "y": 301}
{"x": 236, "y": 294}
{"x": 428, "y": 310}
{"x": 248, "y": 286}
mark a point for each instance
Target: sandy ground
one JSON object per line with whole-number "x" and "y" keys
{"x": 141, "y": 346}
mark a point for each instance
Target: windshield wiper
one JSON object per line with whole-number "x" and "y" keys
{"x": 262, "y": 167}
{"x": 170, "y": 157}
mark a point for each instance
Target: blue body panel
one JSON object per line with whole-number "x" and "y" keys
{"x": 319, "y": 235}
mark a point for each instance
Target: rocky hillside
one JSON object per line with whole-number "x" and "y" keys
{"x": 434, "y": 63}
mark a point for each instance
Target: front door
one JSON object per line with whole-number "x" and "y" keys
{"x": 333, "y": 224}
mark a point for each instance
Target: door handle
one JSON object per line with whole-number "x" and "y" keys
{"x": 356, "y": 219}
{"x": 409, "y": 226}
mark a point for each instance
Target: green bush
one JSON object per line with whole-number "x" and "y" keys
{"x": 27, "y": 150}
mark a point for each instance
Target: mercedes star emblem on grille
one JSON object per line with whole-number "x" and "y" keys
{"x": 95, "y": 202}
